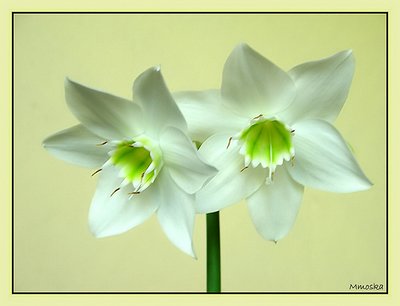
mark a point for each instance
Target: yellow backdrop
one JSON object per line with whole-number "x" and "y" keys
{"x": 338, "y": 239}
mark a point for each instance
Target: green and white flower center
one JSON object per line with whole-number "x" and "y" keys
{"x": 267, "y": 142}
{"x": 139, "y": 162}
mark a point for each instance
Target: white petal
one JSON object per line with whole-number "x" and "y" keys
{"x": 215, "y": 148}
{"x": 106, "y": 115}
{"x": 184, "y": 164}
{"x": 159, "y": 108}
{"x": 113, "y": 215}
{"x": 273, "y": 208}
{"x": 323, "y": 159}
{"x": 252, "y": 85}
{"x": 322, "y": 87}
{"x": 231, "y": 184}
{"x": 176, "y": 213}
{"x": 79, "y": 146}
{"x": 205, "y": 114}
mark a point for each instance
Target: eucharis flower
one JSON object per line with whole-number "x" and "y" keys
{"x": 271, "y": 133}
{"x": 144, "y": 157}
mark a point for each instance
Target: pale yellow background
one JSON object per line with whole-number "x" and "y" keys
{"x": 338, "y": 239}
{"x": 5, "y": 93}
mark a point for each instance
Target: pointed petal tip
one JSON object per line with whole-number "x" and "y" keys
{"x": 189, "y": 252}
{"x": 344, "y": 55}
{"x": 347, "y": 54}
{"x": 148, "y": 73}
{"x": 70, "y": 84}
{"x": 242, "y": 45}
{"x": 277, "y": 237}
{"x": 96, "y": 230}
{"x": 45, "y": 142}
{"x": 156, "y": 70}
{"x": 96, "y": 233}
{"x": 192, "y": 253}
{"x": 46, "y": 145}
{"x": 99, "y": 232}
{"x": 68, "y": 81}
{"x": 367, "y": 184}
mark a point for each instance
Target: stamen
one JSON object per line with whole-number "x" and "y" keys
{"x": 270, "y": 178}
{"x": 114, "y": 191}
{"x": 140, "y": 183}
{"x": 258, "y": 117}
{"x": 97, "y": 171}
{"x": 229, "y": 142}
{"x": 102, "y": 144}
{"x": 150, "y": 168}
{"x": 244, "y": 168}
{"x": 292, "y": 161}
{"x": 131, "y": 194}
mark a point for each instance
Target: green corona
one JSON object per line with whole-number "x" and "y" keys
{"x": 267, "y": 142}
{"x": 139, "y": 165}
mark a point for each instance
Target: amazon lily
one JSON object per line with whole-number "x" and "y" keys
{"x": 270, "y": 133}
{"x": 146, "y": 162}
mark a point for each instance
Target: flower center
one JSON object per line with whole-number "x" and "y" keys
{"x": 139, "y": 163}
{"x": 267, "y": 142}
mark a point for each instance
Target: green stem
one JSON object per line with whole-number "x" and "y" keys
{"x": 213, "y": 253}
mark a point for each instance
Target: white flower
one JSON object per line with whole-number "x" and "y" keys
{"x": 146, "y": 161}
{"x": 272, "y": 134}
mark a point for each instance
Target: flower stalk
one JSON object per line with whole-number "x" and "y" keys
{"x": 213, "y": 253}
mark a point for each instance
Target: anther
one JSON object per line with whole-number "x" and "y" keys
{"x": 229, "y": 142}
{"x": 244, "y": 168}
{"x": 292, "y": 131}
{"x": 114, "y": 191}
{"x": 102, "y": 144}
{"x": 258, "y": 117}
{"x": 97, "y": 171}
{"x": 131, "y": 194}
{"x": 292, "y": 161}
